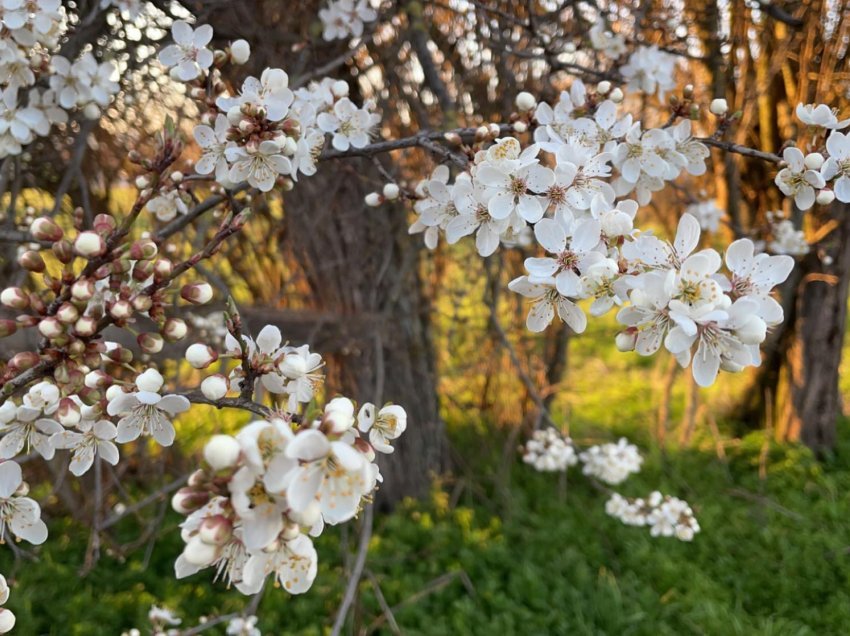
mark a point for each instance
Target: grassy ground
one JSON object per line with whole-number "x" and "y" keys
{"x": 523, "y": 553}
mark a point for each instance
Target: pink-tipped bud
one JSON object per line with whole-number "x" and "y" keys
{"x": 142, "y": 303}
{"x": 7, "y": 328}
{"x": 197, "y": 293}
{"x": 142, "y": 270}
{"x": 67, "y": 313}
{"x": 50, "y": 328}
{"x": 150, "y": 342}
{"x": 121, "y": 310}
{"x": 188, "y": 500}
{"x": 215, "y": 530}
{"x": 15, "y": 298}
{"x": 24, "y": 360}
{"x": 198, "y": 479}
{"x": 174, "y": 329}
{"x": 144, "y": 249}
{"x": 120, "y": 355}
{"x": 32, "y": 261}
{"x": 45, "y": 229}
{"x": 104, "y": 224}
{"x": 200, "y": 356}
{"x": 25, "y": 321}
{"x": 89, "y": 244}
{"x": 68, "y": 412}
{"x": 97, "y": 379}
{"x": 162, "y": 268}
{"x": 83, "y": 289}
{"x": 63, "y": 251}
{"x": 86, "y": 326}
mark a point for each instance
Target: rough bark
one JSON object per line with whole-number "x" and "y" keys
{"x": 813, "y": 403}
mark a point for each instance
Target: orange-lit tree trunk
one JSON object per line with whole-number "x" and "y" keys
{"x": 810, "y": 409}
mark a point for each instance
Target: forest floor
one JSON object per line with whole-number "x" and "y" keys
{"x": 511, "y": 551}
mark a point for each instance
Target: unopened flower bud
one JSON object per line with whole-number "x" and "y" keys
{"x": 825, "y": 197}
{"x": 15, "y": 298}
{"x": 144, "y": 249}
{"x": 520, "y": 126}
{"x": 626, "y": 340}
{"x": 45, "y": 229}
{"x": 752, "y": 332}
{"x": 215, "y": 387}
{"x": 174, "y": 329}
{"x": 121, "y": 310}
{"x": 290, "y": 532}
{"x": 240, "y": 51}
{"x": 197, "y": 293}
{"x": 603, "y": 87}
{"x": 200, "y": 356}
{"x": 176, "y": 176}
{"x": 814, "y": 160}
{"x": 103, "y": 224}
{"x": 215, "y": 530}
{"x": 719, "y": 107}
{"x": 162, "y": 268}
{"x": 86, "y": 326}
{"x": 150, "y": 342}
{"x": 481, "y": 133}
{"x": 67, "y": 313}
{"x": 525, "y": 101}
{"x": 83, "y": 289}
{"x": 570, "y": 47}
{"x": 63, "y": 250}
{"x": 688, "y": 91}
{"x": 494, "y": 129}
{"x": 7, "y": 328}
{"x": 97, "y": 379}
{"x": 24, "y": 360}
{"x": 373, "y": 199}
{"x": 32, "y": 261}
{"x": 616, "y": 95}
{"x": 188, "y": 500}
{"x": 339, "y": 414}
{"x": 142, "y": 270}
{"x": 141, "y": 302}
{"x": 89, "y": 244}
{"x": 50, "y": 328}
{"x": 222, "y": 451}
{"x": 453, "y": 138}
{"x": 68, "y": 412}
{"x": 391, "y": 191}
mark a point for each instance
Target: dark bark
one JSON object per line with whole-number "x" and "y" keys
{"x": 813, "y": 360}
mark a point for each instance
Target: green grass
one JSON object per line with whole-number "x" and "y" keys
{"x": 538, "y": 556}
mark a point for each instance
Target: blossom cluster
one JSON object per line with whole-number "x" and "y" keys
{"x": 665, "y": 516}
{"x": 261, "y": 496}
{"x": 804, "y": 177}
{"x": 549, "y": 451}
{"x": 266, "y": 130}
{"x": 572, "y": 188}
{"x": 39, "y": 87}
{"x": 343, "y": 19}
{"x": 611, "y": 463}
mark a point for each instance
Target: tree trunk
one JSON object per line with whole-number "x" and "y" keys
{"x": 813, "y": 401}
{"x": 361, "y": 264}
